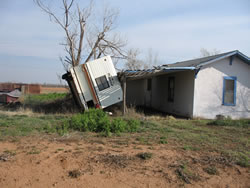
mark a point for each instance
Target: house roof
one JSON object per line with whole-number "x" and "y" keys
{"x": 194, "y": 64}
{"x": 15, "y": 93}
{"x": 210, "y": 59}
{"x": 136, "y": 74}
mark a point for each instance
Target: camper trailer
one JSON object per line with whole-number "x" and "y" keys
{"x": 95, "y": 84}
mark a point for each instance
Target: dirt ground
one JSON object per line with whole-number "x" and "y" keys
{"x": 106, "y": 162}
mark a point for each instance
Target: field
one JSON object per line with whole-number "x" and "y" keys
{"x": 39, "y": 150}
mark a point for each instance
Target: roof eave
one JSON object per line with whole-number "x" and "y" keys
{"x": 179, "y": 68}
{"x": 241, "y": 55}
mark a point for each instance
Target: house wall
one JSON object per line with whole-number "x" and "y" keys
{"x": 183, "y": 99}
{"x": 183, "y": 93}
{"x": 3, "y": 98}
{"x": 135, "y": 92}
{"x": 11, "y": 99}
{"x": 209, "y": 90}
{"x": 51, "y": 89}
{"x": 32, "y": 89}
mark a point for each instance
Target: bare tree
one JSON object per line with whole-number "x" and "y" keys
{"x": 151, "y": 59}
{"x": 147, "y": 62}
{"x": 86, "y": 37}
{"x": 133, "y": 62}
{"x": 204, "y": 52}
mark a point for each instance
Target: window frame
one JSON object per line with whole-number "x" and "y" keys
{"x": 99, "y": 80}
{"x": 225, "y": 78}
{"x": 171, "y": 98}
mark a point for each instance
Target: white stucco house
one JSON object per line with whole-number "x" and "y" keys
{"x": 204, "y": 87}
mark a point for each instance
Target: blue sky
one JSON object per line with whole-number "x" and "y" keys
{"x": 175, "y": 30}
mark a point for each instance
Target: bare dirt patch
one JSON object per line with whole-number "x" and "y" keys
{"x": 103, "y": 162}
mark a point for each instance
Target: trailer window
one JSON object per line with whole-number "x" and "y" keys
{"x": 102, "y": 83}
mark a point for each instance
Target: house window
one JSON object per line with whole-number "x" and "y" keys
{"x": 102, "y": 83}
{"x": 149, "y": 84}
{"x": 229, "y": 91}
{"x": 171, "y": 84}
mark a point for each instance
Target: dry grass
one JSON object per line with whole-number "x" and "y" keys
{"x": 21, "y": 111}
{"x": 132, "y": 113}
{"x": 135, "y": 114}
{"x": 29, "y": 113}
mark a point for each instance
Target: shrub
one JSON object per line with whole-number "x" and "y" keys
{"x": 211, "y": 170}
{"x": 94, "y": 120}
{"x": 133, "y": 125}
{"x": 243, "y": 160}
{"x": 118, "y": 125}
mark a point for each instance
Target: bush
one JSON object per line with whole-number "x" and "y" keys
{"x": 118, "y": 125}
{"x": 94, "y": 120}
{"x": 211, "y": 170}
{"x": 133, "y": 125}
{"x": 243, "y": 160}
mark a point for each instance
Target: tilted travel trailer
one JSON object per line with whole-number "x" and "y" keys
{"x": 95, "y": 84}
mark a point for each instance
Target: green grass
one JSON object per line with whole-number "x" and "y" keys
{"x": 96, "y": 120}
{"x": 22, "y": 125}
{"x": 227, "y": 137}
{"x": 42, "y": 98}
{"x": 229, "y": 122}
{"x": 230, "y": 137}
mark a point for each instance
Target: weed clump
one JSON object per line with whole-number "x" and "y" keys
{"x": 74, "y": 173}
{"x": 133, "y": 125}
{"x": 118, "y": 125}
{"x": 243, "y": 160}
{"x": 145, "y": 155}
{"x": 163, "y": 140}
{"x": 184, "y": 172}
{"x": 96, "y": 120}
{"x": 229, "y": 122}
{"x": 211, "y": 170}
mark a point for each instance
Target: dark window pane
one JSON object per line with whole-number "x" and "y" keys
{"x": 102, "y": 83}
{"x": 98, "y": 81}
{"x": 171, "y": 85}
{"x": 229, "y": 92}
{"x": 149, "y": 84}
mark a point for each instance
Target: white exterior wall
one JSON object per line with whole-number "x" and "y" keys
{"x": 137, "y": 93}
{"x": 183, "y": 93}
{"x": 209, "y": 90}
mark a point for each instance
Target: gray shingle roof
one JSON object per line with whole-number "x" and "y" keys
{"x": 199, "y": 61}
{"x": 193, "y": 64}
